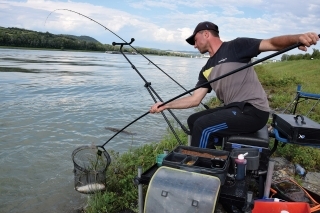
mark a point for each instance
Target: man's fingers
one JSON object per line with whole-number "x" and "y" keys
{"x": 309, "y": 39}
{"x": 303, "y": 48}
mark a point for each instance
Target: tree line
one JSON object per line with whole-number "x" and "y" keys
{"x": 17, "y": 37}
{"x": 307, "y": 56}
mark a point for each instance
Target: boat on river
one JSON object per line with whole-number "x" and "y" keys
{"x": 118, "y": 52}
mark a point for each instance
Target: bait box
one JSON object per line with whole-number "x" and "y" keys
{"x": 264, "y": 153}
{"x": 252, "y": 157}
{"x": 205, "y": 161}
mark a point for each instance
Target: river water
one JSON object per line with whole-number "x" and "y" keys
{"x": 52, "y": 102}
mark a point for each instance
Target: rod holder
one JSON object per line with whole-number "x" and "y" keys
{"x": 124, "y": 43}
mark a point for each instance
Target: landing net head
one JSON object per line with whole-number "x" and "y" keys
{"x": 90, "y": 165}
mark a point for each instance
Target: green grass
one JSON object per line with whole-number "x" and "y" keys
{"x": 279, "y": 80}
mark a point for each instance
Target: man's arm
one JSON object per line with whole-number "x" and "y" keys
{"x": 281, "y": 42}
{"x": 182, "y": 103}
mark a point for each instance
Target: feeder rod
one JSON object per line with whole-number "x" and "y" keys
{"x": 234, "y": 71}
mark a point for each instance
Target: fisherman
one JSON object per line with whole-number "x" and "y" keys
{"x": 245, "y": 106}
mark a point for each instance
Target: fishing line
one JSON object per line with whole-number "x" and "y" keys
{"x": 147, "y": 84}
{"x": 205, "y": 106}
{"x": 187, "y": 91}
{"x": 236, "y": 70}
{"x": 223, "y": 76}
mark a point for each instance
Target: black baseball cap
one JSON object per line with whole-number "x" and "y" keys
{"x": 206, "y": 25}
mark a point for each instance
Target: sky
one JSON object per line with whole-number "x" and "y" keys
{"x": 163, "y": 24}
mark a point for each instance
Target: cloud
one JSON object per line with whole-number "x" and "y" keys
{"x": 231, "y": 10}
{"x": 148, "y": 5}
{"x": 163, "y": 23}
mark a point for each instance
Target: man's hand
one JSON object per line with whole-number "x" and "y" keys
{"x": 307, "y": 40}
{"x": 156, "y": 109}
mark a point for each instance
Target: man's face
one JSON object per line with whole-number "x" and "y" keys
{"x": 200, "y": 41}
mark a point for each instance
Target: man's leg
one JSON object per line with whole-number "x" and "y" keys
{"x": 223, "y": 122}
{"x": 192, "y": 119}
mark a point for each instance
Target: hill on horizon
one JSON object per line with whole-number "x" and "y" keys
{"x": 82, "y": 38}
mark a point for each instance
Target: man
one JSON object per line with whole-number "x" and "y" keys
{"x": 245, "y": 106}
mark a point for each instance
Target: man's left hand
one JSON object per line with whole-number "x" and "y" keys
{"x": 307, "y": 40}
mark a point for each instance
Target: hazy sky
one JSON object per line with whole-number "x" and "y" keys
{"x": 164, "y": 24}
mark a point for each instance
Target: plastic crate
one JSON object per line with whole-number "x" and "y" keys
{"x": 276, "y": 207}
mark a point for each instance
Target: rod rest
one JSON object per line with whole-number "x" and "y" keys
{"x": 259, "y": 138}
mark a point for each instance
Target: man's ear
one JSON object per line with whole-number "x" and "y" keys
{"x": 207, "y": 33}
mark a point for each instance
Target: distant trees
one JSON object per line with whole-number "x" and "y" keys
{"x": 17, "y": 37}
{"x": 307, "y": 56}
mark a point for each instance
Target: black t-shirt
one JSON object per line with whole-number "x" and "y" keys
{"x": 242, "y": 86}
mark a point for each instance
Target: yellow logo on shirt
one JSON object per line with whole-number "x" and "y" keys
{"x": 207, "y": 72}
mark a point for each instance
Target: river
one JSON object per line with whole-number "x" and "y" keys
{"x": 52, "y": 102}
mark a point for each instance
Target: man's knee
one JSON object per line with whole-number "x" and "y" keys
{"x": 191, "y": 119}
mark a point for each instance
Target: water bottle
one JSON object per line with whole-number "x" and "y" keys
{"x": 300, "y": 170}
{"x": 241, "y": 166}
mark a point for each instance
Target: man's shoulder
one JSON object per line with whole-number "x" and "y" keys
{"x": 244, "y": 39}
{"x": 244, "y": 43}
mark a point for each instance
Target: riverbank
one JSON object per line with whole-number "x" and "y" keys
{"x": 48, "y": 49}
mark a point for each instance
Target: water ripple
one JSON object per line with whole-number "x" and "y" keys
{"x": 55, "y": 101}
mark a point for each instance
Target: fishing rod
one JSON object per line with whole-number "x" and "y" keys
{"x": 204, "y": 105}
{"x": 187, "y": 91}
{"x": 152, "y": 91}
{"x": 236, "y": 70}
{"x": 218, "y": 78}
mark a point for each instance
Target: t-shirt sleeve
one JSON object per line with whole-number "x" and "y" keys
{"x": 247, "y": 48}
{"x": 202, "y": 80}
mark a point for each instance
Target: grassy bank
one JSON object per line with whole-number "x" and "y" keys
{"x": 280, "y": 80}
